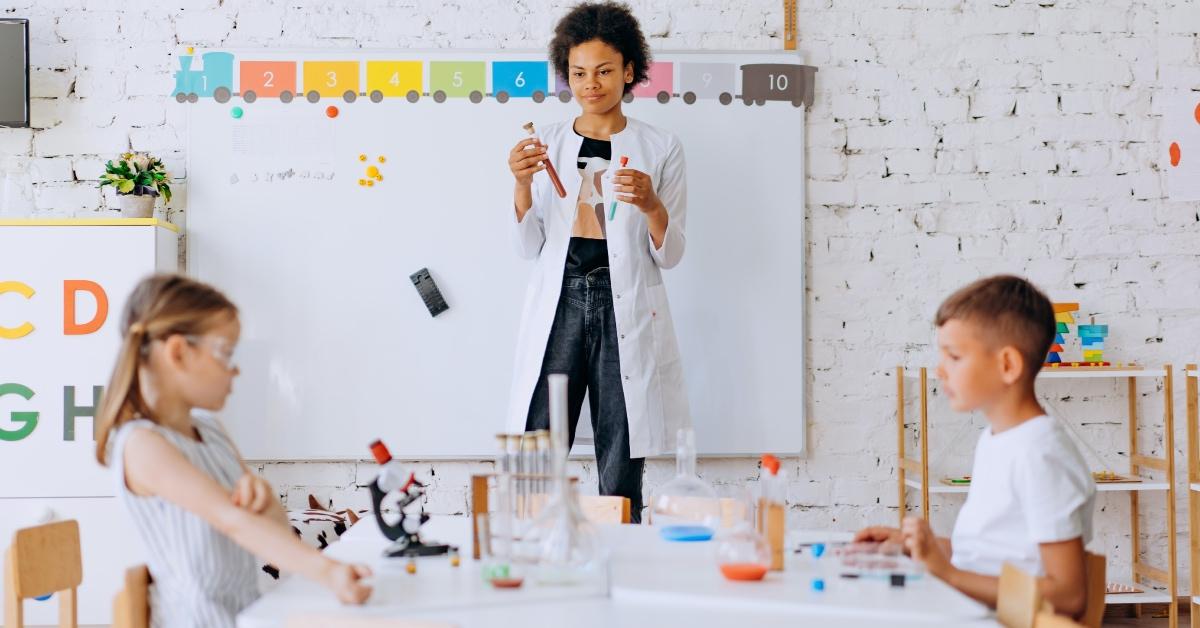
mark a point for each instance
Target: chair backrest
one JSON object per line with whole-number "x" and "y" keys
{"x": 1095, "y": 573}
{"x": 131, "y": 606}
{"x": 605, "y": 508}
{"x": 342, "y": 621}
{"x": 42, "y": 560}
{"x": 1047, "y": 619}
{"x": 1020, "y": 603}
{"x": 1019, "y": 598}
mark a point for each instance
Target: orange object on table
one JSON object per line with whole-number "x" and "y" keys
{"x": 745, "y": 572}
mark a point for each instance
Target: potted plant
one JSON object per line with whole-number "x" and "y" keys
{"x": 138, "y": 178}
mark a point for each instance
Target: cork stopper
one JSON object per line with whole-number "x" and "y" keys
{"x": 528, "y": 126}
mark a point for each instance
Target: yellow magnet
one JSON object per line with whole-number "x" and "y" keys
{"x": 362, "y": 157}
{"x": 370, "y": 183}
{"x": 382, "y": 159}
{"x": 372, "y": 171}
{"x": 362, "y": 181}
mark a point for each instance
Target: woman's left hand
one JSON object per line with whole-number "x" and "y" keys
{"x": 635, "y": 187}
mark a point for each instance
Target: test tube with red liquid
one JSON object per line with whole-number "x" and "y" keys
{"x": 558, "y": 186}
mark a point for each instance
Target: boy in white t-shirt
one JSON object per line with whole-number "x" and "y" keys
{"x": 1031, "y": 496}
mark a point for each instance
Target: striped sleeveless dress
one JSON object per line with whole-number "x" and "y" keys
{"x": 201, "y": 577}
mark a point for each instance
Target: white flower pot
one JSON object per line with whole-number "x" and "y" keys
{"x": 133, "y": 206}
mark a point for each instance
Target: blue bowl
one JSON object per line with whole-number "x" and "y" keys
{"x": 687, "y": 534}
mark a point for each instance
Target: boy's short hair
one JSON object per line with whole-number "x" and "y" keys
{"x": 1010, "y": 311}
{"x": 610, "y": 22}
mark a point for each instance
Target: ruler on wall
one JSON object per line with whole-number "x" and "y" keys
{"x": 789, "y": 24}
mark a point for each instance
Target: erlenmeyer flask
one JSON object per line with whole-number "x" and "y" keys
{"x": 565, "y": 547}
{"x": 687, "y": 508}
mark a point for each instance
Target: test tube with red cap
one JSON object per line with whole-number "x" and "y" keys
{"x": 612, "y": 210}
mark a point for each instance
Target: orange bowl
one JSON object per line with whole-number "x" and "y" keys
{"x": 746, "y": 572}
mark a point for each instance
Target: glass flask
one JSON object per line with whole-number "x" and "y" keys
{"x": 742, "y": 553}
{"x": 686, "y": 508}
{"x": 564, "y": 546}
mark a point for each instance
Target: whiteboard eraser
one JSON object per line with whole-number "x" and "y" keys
{"x": 429, "y": 292}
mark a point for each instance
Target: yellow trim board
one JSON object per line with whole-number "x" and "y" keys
{"x": 88, "y": 222}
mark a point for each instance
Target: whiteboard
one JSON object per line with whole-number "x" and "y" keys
{"x": 337, "y": 347}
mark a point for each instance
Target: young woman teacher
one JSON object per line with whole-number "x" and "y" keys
{"x": 596, "y": 308}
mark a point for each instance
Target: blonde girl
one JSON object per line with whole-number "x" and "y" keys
{"x": 199, "y": 510}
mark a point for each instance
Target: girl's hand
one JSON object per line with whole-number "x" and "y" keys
{"x": 635, "y": 187}
{"x": 347, "y": 582}
{"x": 252, "y": 493}
{"x": 923, "y": 546}
{"x": 524, "y": 162}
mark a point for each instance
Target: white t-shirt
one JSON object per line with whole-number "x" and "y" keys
{"x": 1029, "y": 485}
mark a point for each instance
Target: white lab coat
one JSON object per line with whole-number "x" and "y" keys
{"x": 651, "y": 372}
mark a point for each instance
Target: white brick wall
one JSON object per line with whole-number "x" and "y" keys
{"x": 949, "y": 139}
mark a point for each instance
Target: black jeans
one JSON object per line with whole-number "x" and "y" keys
{"x": 583, "y": 345}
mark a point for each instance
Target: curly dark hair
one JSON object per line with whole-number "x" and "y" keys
{"x": 610, "y": 22}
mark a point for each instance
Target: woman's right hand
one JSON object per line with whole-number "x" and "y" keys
{"x": 525, "y": 162}
{"x": 347, "y": 581}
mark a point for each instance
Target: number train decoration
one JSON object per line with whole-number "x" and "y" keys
{"x": 378, "y": 80}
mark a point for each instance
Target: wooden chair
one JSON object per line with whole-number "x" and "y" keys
{"x": 606, "y": 508}
{"x": 1020, "y": 603}
{"x": 131, "y": 606}
{"x": 1095, "y": 573}
{"x": 1046, "y": 619}
{"x": 42, "y": 560}
{"x": 1019, "y": 599}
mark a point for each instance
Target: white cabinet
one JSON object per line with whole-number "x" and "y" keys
{"x": 63, "y": 287}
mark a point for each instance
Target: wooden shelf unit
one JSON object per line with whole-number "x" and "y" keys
{"x": 1141, "y": 571}
{"x": 1193, "y": 444}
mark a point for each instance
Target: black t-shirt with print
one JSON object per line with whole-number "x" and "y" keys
{"x": 587, "y": 254}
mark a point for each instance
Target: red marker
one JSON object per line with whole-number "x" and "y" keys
{"x": 612, "y": 210}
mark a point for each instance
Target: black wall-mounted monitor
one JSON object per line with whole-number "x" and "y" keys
{"x": 14, "y": 72}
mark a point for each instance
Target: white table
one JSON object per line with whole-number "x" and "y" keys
{"x": 654, "y": 583}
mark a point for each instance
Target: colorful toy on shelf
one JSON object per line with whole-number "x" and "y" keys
{"x": 1092, "y": 337}
{"x": 1111, "y": 477}
{"x": 1063, "y": 319}
{"x": 1114, "y": 588}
